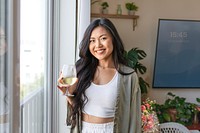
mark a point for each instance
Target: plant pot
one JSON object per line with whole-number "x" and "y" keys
{"x": 172, "y": 112}
{"x": 195, "y": 119}
{"x": 104, "y": 11}
{"x": 131, "y": 12}
{"x": 198, "y": 116}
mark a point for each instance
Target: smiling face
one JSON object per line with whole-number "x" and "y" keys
{"x": 101, "y": 45}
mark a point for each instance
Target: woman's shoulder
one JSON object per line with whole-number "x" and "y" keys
{"x": 127, "y": 69}
{"x": 128, "y": 72}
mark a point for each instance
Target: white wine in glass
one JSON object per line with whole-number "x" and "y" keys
{"x": 69, "y": 74}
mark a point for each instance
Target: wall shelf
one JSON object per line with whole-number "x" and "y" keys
{"x": 133, "y": 17}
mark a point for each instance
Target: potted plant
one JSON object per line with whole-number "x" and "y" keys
{"x": 176, "y": 109}
{"x": 104, "y": 8}
{"x": 133, "y": 58}
{"x": 131, "y": 7}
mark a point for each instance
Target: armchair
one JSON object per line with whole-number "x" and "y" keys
{"x": 173, "y": 127}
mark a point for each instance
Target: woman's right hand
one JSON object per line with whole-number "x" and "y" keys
{"x": 66, "y": 87}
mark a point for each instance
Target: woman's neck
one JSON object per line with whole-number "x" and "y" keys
{"x": 106, "y": 65}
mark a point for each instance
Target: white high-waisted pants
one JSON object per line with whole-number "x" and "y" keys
{"x": 97, "y": 128}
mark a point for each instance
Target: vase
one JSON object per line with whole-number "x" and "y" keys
{"x": 119, "y": 10}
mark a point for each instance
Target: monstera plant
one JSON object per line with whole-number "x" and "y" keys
{"x": 134, "y": 56}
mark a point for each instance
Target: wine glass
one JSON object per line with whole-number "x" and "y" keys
{"x": 69, "y": 74}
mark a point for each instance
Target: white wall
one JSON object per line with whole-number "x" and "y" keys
{"x": 67, "y": 50}
{"x": 145, "y": 33}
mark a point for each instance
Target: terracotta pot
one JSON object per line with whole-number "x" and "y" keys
{"x": 195, "y": 119}
{"x": 172, "y": 113}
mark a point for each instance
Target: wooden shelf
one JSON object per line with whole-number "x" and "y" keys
{"x": 133, "y": 17}
{"x": 115, "y": 16}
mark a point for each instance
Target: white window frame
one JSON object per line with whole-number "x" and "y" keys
{"x": 13, "y": 60}
{"x": 50, "y": 123}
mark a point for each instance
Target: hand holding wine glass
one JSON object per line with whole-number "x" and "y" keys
{"x": 69, "y": 74}
{"x": 67, "y": 80}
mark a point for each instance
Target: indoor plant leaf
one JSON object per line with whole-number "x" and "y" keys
{"x": 133, "y": 56}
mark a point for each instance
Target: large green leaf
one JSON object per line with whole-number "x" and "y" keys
{"x": 141, "y": 68}
{"x": 141, "y": 54}
{"x": 133, "y": 56}
{"x": 166, "y": 116}
{"x": 143, "y": 85}
{"x": 198, "y": 100}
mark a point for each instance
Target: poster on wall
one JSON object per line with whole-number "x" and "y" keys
{"x": 177, "y": 59}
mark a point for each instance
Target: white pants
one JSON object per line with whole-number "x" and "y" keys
{"x": 97, "y": 128}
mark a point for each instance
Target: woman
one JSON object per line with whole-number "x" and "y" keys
{"x": 106, "y": 95}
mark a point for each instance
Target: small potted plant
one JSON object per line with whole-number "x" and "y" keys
{"x": 131, "y": 7}
{"x": 104, "y": 9}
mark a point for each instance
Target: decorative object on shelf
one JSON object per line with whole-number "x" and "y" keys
{"x": 104, "y": 9}
{"x": 150, "y": 123}
{"x": 133, "y": 57}
{"x": 119, "y": 9}
{"x": 131, "y": 7}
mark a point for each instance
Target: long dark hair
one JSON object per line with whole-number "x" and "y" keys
{"x": 87, "y": 64}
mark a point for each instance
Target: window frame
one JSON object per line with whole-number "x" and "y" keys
{"x": 51, "y": 99}
{"x": 13, "y": 27}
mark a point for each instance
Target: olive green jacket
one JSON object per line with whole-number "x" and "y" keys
{"x": 128, "y": 112}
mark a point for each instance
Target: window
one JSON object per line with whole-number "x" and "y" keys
{"x": 25, "y": 66}
{"x": 34, "y": 45}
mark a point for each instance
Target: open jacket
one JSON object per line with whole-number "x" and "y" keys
{"x": 127, "y": 117}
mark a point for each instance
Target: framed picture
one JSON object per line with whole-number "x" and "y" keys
{"x": 177, "y": 59}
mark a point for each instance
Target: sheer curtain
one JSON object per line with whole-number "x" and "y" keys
{"x": 4, "y": 102}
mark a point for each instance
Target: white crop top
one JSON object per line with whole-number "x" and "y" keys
{"x": 102, "y": 99}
